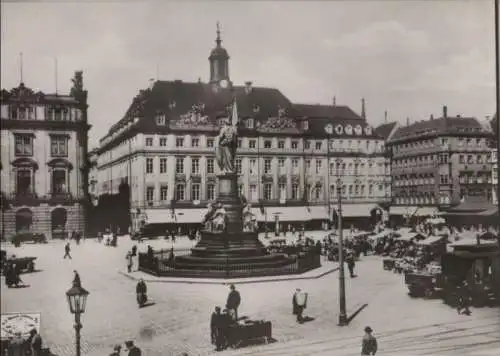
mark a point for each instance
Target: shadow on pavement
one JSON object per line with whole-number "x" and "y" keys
{"x": 349, "y": 319}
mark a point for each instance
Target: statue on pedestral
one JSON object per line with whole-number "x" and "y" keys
{"x": 225, "y": 150}
{"x": 209, "y": 216}
{"x": 249, "y": 220}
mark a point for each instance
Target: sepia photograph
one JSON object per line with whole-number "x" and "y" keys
{"x": 269, "y": 178}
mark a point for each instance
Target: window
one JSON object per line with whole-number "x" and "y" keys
{"x": 149, "y": 141}
{"x": 237, "y": 162}
{"x": 210, "y": 192}
{"x": 318, "y": 145}
{"x": 281, "y": 144}
{"x": 180, "y": 193}
{"x": 282, "y": 188}
{"x": 195, "y": 142}
{"x": 251, "y": 144}
{"x": 150, "y": 194}
{"x": 163, "y": 141}
{"x": 295, "y": 192}
{"x": 380, "y": 187}
{"x": 179, "y": 165}
{"x": 307, "y": 145}
{"x": 160, "y": 119}
{"x": 249, "y": 124}
{"x": 59, "y": 146}
{"x": 195, "y": 192}
{"x": 470, "y": 159}
{"x": 443, "y": 178}
{"x": 443, "y": 158}
{"x": 195, "y": 166}
{"x": 295, "y": 166}
{"x": 350, "y": 189}
{"x": 23, "y": 180}
{"x": 268, "y": 191}
{"x": 164, "y": 193}
{"x": 59, "y": 181}
{"x": 332, "y": 192}
{"x": 210, "y": 142}
{"x": 210, "y": 166}
{"x": 281, "y": 164}
{"x": 238, "y": 143}
{"x": 24, "y": 145}
{"x": 253, "y": 192}
{"x": 332, "y": 169}
{"x": 308, "y": 166}
{"x": 461, "y": 159}
{"x": 318, "y": 192}
{"x": 295, "y": 145}
{"x": 319, "y": 166}
{"x": 370, "y": 189}
{"x": 149, "y": 165}
{"x": 479, "y": 159}
{"x": 163, "y": 165}
{"x": 179, "y": 142}
{"x": 267, "y": 144}
{"x": 267, "y": 166}
{"x": 241, "y": 189}
{"x": 253, "y": 166}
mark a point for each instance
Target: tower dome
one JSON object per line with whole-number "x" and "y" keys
{"x": 219, "y": 61}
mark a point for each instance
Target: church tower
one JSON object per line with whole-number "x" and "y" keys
{"x": 219, "y": 63}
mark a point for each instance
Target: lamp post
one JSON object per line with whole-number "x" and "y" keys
{"x": 342, "y": 314}
{"x": 77, "y": 297}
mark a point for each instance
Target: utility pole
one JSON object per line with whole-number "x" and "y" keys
{"x": 342, "y": 314}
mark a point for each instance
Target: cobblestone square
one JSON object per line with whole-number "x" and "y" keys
{"x": 179, "y": 319}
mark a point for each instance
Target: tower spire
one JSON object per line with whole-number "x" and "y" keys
{"x": 218, "y": 41}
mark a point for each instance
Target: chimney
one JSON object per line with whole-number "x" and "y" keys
{"x": 363, "y": 109}
{"x": 431, "y": 117}
{"x": 385, "y": 117}
{"x": 334, "y": 101}
{"x": 407, "y": 121}
{"x": 248, "y": 87}
{"x": 445, "y": 111}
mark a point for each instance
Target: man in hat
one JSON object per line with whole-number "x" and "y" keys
{"x": 299, "y": 303}
{"x": 142, "y": 292}
{"x": 132, "y": 349}
{"x": 369, "y": 343}
{"x": 36, "y": 342}
{"x": 116, "y": 351}
{"x": 67, "y": 250}
{"x": 233, "y": 302}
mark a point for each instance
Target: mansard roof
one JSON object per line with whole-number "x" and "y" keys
{"x": 462, "y": 126}
{"x": 23, "y": 94}
{"x": 385, "y": 130}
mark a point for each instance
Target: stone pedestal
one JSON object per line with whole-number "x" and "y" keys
{"x": 233, "y": 250}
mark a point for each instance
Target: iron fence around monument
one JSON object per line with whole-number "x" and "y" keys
{"x": 162, "y": 263}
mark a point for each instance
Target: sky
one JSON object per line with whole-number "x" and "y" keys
{"x": 407, "y": 57}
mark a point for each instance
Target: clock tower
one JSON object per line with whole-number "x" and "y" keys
{"x": 219, "y": 63}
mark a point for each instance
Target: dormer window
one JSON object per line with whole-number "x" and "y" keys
{"x": 250, "y": 124}
{"x": 161, "y": 119}
{"x": 305, "y": 125}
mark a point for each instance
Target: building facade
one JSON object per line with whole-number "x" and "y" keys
{"x": 288, "y": 154}
{"x": 494, "y": 176}
{"x": 44, "y": 166}
{"x": 439, "y": 162}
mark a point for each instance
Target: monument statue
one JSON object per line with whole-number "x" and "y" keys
{"x": 225, "y": 149}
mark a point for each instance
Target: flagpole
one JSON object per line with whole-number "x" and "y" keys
{"x": 497, "y": 85}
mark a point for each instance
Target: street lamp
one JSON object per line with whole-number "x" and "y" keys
{"x": 342, "y": 314}
{"x": 77, "y": 297}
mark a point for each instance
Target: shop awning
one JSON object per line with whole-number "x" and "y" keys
{"x": 295, "y": 213}
{"x": 318, "y": 212}
{"x": 403, "y": 210}
{"x": 426, "y": 211}
{"x": 357, "y": 210}
{"x": 181, "y": 216}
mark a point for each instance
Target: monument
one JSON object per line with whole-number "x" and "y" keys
{"x": 229, "y": 244}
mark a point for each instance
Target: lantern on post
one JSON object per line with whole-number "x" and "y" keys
{"x": 77, "y": 300}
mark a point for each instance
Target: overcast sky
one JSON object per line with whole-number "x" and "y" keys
{"x": 409, "y": 57}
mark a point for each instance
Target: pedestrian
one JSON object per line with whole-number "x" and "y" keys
{"x": 77, "y": 283}
{"x": 132, "y": 349}
{"x": 299, "y": 303}
{"x": 463, "y": 302}
{"x": 351, "y": 264}
{"x": 369, "y": 343}
{"x": 17, "y": 345}
{"x": 116, "y": 351}
{"x": 129, "y": 261}
{"x": 142, "y": 293}
{"x": 36, "y": 343}
{"x": 67, "y": 250}
{"x": 233, "y": 302}
{"x": 217, "y": 328}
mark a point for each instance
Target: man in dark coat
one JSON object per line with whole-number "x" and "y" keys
{"x": 369, "y": 343}
{"x": 350, "y": 263}
{"x": 67, "y": 250}
{"x": 141, "y": 290}
{"x": 132, "y": 349}
{"x": 218, "y": 329}
{"x": 233, "y": 302}
{"x": 36, "y": 343}
{"x": 76, "y": 280}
